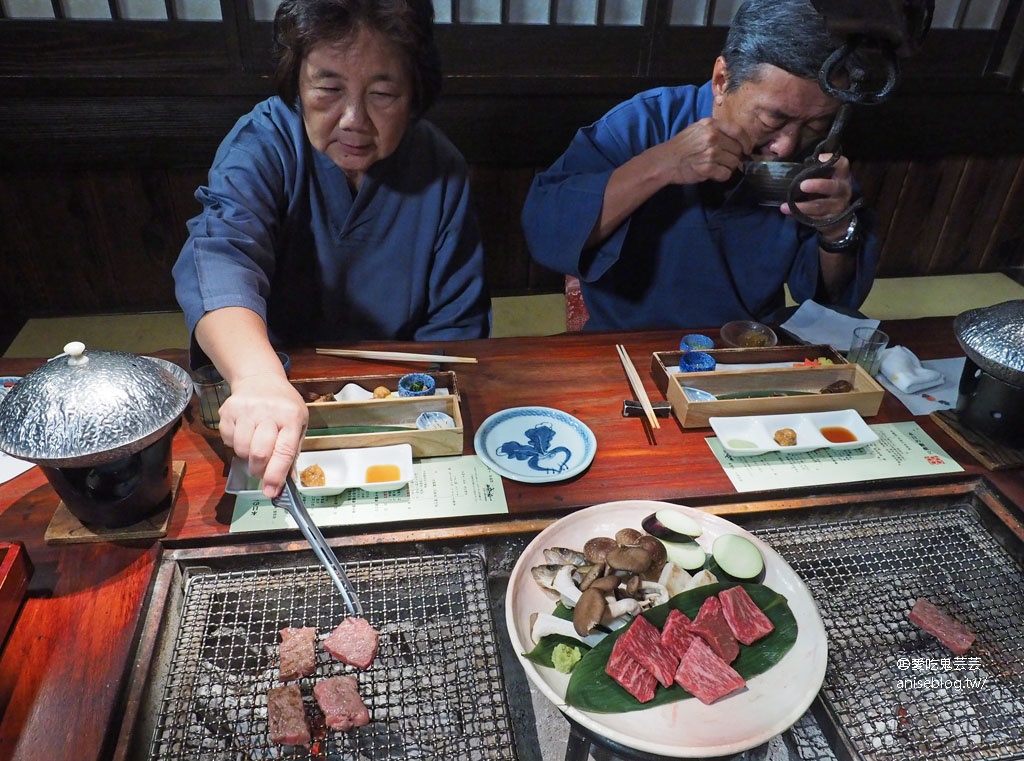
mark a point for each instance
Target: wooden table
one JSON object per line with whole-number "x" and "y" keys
{"x": 66, "y": 662}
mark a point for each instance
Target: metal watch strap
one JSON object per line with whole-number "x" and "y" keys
{"x": 849, "y": 243}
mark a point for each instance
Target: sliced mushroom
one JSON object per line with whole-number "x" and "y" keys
{"x": 627, "y": 537}
{"x": 606, "y": 583}
{"x": 596, "y": 549}
{"x": 632, "y": 559}
{"x": 588, "y": 611}
{"x": 545, "y": 624}
{"x": 621, "y": 611}
{"x": 566, "y": 587}
{"x": 633, "y": 585}
{"x": 594, "y": 572}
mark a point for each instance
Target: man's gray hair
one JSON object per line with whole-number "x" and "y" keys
{"x": 789, "y": 34}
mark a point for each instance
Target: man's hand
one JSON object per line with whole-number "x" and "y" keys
{"x": 833, "y": 197}
{"x": 709, "y": 149}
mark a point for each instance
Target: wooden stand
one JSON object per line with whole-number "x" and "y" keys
{"x": 65, "y": 528}
{"x": 992, "y": 454}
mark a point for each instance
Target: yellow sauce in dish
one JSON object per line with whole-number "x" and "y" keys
{"x": 376, "y": 474}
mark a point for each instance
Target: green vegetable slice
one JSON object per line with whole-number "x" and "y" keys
{"x": 591, "y": 689}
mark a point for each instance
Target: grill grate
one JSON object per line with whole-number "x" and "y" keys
{"x": 894, "y": 690}
{"x": 435, "y": 690}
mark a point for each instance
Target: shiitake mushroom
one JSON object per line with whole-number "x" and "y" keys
{"x": 597, "y": 549}
{"x": 627, "y": 537}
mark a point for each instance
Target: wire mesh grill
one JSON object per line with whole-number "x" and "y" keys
{"x": 895, "y": 691}
{"x": 435, "y": 690}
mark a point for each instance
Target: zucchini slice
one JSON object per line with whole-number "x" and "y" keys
{"x": 671, "y": 526}
{"x": 689, "y": 556}
{"x": 737, "y": 558}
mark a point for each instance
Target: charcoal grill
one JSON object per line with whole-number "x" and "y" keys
{"x": 435, "y": 691}
{"x": 892, "y": 691}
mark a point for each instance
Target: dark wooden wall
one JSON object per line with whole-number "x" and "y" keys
{"x": 106, "y": 129}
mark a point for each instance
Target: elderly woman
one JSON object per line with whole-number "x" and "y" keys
{"x": 333, "y": 212}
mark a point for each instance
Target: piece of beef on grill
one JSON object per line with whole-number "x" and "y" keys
{"x": 286, "y": 716}
{"x": 630, "y": 675}
{"x": 946, "y": 629}
{"x": 747, "y": 622}
{"x": 642, "y": 642}
{"x": 706, "y": 676}
{"x": 675, "y": 634}
{"x": 711, "y": 626}
{"x": 298, "y": 652}
{"x": 338, "y": 697}
{"x": 353, "y": 642}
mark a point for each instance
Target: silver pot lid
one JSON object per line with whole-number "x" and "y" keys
{"x": 993, "y": 338}
{"x": 86, "y": 408}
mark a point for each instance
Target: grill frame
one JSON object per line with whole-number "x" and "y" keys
{"x": 403, "y": 689}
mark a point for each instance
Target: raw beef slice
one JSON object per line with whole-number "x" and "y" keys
{"x": 706, "y": 676}
{"x": 675, "y": 634}
{"x": 711, "y": 626}
{"x": 338, "y": 697}
{"x": 630, "y": 675}
{"x": 353, "y": 642}
{"x": 642, "y": 642}
{"x": 286, "y": 716}
{"x": 943, "y": 627}
{"x": 747, "y": 621}
{"x": 298, "y": 652}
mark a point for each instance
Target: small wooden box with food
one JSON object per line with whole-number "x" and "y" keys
{"x": 780, "y": 379}
{"x": 371, "y": 411}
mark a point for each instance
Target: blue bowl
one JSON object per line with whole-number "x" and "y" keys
{"x": 416, "y": 384}
{"x": 696, "y": 362}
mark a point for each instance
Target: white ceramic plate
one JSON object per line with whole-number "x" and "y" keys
{"x": 535, "y": 444}
{"x": 771, "y": 702}
{"x": 755, "y": 434}
{"x": 343, "y": 469}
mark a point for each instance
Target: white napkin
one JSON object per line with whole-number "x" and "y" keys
{"x": 902, "y": 367}
{"x": 816, "y": 324}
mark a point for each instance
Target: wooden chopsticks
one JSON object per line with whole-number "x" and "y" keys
{"x": 638, "y": 386}
{"x": 398, "y": 356}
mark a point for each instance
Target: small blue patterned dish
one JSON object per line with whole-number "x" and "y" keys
{"x": 416, "y": 384}
{"x": 696, "y": 342}
{"x": 434, "y": 421}
{"x": 696, "y": 362}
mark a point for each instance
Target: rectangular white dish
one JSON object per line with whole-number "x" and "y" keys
{"x": 343, "y": 469}
{"x": 755, "y": 434}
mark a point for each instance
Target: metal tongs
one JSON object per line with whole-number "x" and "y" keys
{"x": 291, "y": 500}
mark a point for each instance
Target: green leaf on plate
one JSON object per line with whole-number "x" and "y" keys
{"x": 591, "y": 689}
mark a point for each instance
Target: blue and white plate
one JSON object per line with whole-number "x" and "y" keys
{"x": 535, "y": 444}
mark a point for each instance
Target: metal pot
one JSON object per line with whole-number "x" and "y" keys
{"x": 100, "y": 425}
{"x": 991, "y": 393}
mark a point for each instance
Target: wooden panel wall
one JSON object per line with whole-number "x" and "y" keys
{"x": 107, "y": 129}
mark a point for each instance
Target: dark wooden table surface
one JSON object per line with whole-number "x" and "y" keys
{"x": 66, "y": 661}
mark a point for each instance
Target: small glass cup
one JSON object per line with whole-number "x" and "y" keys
{"x": 866, "y": 349}
{"x": 213, "y": 391}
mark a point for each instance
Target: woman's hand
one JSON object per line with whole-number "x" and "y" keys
{"x": 264, "y": 421}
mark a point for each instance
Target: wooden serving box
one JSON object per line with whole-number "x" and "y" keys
{"x": 865, "y": 398}
{"x": 15, "y": 570}
{"x": 401, "y": 411}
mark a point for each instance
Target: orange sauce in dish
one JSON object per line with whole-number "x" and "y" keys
{"x": 376, "y": 474}
{"x": 837, "y": 434}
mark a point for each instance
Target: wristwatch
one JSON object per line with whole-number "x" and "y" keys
{"x": 849, "y": 243}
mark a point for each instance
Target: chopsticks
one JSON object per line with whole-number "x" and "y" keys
{"x": 398, "y": 356}
{"x": 638, "y": 386}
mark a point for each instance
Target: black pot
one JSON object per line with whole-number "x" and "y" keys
{"x": 991, "y": 406}
{"x": 122, "y": 492}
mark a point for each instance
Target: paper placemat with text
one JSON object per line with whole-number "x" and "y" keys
{"x": 902, "y": 450}
{"x": 442, "y": 487}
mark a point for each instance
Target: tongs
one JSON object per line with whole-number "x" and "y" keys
{"x": 291, "y": 500}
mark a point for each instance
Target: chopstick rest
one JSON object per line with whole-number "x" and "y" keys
{"x": 633, "y": 408}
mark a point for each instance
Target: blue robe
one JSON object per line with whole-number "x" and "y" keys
{"x": 281, "y": 233}
{"x": 692, "y": 255}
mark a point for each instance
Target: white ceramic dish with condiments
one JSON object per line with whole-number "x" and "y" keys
{"x": 369, "y": 468}
{"x": 755, "y": 434}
